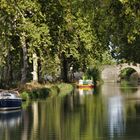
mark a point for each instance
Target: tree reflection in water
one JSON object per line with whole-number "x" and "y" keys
{"x": 82, "y": 115}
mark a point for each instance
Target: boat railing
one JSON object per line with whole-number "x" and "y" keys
{"x": 85, "y": 82}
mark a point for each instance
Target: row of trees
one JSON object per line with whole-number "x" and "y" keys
{"x": 39, "y": 37}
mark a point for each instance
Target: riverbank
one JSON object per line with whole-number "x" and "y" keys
{"x": 39, "y": 91}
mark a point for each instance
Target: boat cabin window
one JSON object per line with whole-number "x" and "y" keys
{"x": 6, "y": 94}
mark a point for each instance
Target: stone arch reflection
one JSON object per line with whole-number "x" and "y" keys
{"x": 116, "y": 116}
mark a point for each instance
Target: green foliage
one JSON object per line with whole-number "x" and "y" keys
{"x": 107, "y": 58}
{"x": 50, "y": 66}
{"x": 66, "y": 34}
{"x": 54, "y": 90}
{"x": 25, "y": 95}
{"x": 65, "y": 89}
{"x": 126, "y": 73}
{"x": 94, "y": 74}
{"x": 41, "y": 93}
{"x": 124, "y": 28}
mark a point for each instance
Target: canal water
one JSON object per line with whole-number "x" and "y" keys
{"x": 111, "y": 112}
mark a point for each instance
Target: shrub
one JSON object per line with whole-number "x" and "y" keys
{"x": 39, "y": 93}
{"x": 94, "y": 74}
{"x": 24, "y": 95}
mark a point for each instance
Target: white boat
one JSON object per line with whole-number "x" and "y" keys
{"x": 85, "y": 84}
{"x": 10, "y": 100}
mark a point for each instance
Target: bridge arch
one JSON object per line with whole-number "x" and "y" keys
{"x": 111, "y": 73}
{"x": 136, "y": 67}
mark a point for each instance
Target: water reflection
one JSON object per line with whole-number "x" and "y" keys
{"x": 81, "y": 115}
{"x": 9, "y": 121}
{"x": 85, "y": 91}
{"x": 128, "y": 87}
{"x": 63, "y": 118}
{"x": 116, "y": 116}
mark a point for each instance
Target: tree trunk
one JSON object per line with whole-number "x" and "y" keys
{"x": 25, "y": 60}
{"x": 7, "y": 70}
{"x": 64, "y": 68}
{"x": 9, "y": 78}
{"x": 35, "y": 68}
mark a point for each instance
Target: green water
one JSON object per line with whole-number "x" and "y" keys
{"x": 110, "y": 113}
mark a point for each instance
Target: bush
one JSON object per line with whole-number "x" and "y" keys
{"x": 25, "y": 96}
{"x": 94, "y": 74}
{"x": 65, "y": 89}
{"x": 44, "y": 92}
{"x": 54, "y": 90}
{"x": 39, "y": 93}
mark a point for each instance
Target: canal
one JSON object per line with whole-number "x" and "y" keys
{"x": 111, "y": 112}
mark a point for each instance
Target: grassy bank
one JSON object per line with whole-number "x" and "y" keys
{"x": 38, "y": 91}
{"x": 65, "y": 89}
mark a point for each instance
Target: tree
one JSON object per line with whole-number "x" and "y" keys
{"x": 25, "y": 23}
{"x": 124, "y": 29}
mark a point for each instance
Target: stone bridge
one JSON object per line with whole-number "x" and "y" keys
{"x": 110, "y": 73}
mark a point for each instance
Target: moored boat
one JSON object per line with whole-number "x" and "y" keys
{"x": 10, "y": 100}
{"x": 85, "y": 84}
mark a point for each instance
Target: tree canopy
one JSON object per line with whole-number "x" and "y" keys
{"x": 39, "y": 37}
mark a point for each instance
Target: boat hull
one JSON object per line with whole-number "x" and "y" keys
{"x": 10, "y": 104}
{"x": 85, "y": 86}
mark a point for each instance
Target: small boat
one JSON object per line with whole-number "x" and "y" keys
{"x": 85, "y": 84}
{"x": 10, "y": 100}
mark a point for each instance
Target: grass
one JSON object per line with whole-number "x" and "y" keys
{"x": 43, "y": 91}
{"x": 65, "y": 89}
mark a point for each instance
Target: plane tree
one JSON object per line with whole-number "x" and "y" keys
{"x": 23, "y": 28}
{"x": 124, "y": 33}
{"x": 39, "y": 37}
